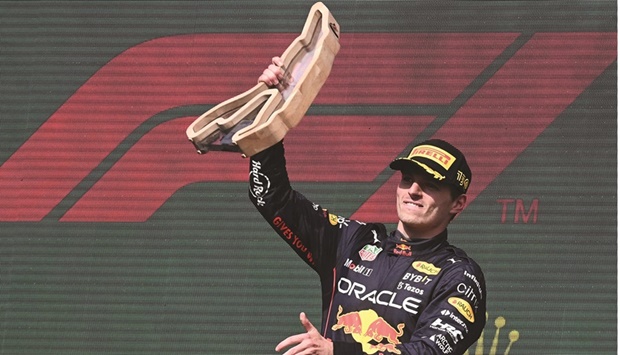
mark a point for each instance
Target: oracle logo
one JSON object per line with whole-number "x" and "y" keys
{"x": 137, "y": 85}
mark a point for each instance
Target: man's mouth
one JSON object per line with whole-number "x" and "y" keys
{"x": 412, "y": 204}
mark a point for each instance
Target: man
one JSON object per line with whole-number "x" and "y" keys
{"x": 404, "y": 292}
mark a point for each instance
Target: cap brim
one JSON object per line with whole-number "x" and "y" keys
{"x": 402, "y": 163}
{"x": 414, "y": 165}
{"x": 407, "y": 164}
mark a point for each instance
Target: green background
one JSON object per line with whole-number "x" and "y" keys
{"x": 193, "y": 279}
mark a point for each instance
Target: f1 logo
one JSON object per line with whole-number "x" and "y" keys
{"x": 514, "y": 104}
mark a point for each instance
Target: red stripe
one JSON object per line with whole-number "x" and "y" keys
{"x": 514, "y": 107}
{"x": 331, "y": 303}
{"x": 198, "y": 69}
{"x": 409, "y": 69}
{"x": 324, "y": 149}
{"x": 131, "y": 88}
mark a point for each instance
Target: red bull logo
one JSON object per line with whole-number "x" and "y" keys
{"x": 351, "y": 322}
{"x": 402, "y": 249}
{"x": 369, "y": 329}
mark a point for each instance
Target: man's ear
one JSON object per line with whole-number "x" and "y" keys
{"x": 459, "y": 204}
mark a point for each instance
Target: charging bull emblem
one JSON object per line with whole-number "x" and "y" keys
{"x": 369, "y": 329}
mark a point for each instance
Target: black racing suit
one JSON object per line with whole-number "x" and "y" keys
{"x": 381, "y": 294}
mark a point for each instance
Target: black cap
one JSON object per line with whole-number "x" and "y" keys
{"x": 441, "y": 160}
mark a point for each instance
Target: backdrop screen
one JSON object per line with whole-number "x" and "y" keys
{"x": 116, "y": 237}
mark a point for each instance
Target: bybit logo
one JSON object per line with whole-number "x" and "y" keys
{"x": 500, "y": 322}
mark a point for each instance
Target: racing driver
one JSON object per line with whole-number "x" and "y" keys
{"x": 408, "y": 291}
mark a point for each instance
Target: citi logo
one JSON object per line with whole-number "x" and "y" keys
{"x": 116, "y": 150}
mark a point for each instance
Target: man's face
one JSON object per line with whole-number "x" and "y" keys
{"x": 425, "y": 206}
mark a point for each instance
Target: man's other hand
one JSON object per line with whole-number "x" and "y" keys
{"x": 309, "y": 343}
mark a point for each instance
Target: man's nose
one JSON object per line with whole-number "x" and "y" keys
{"x": 415, "y": 189}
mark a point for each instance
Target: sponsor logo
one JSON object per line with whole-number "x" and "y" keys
{"x": 462, "y": 307}
{"x": 360, "y": 269}
{"x": 456, "y": 319}
{"x": 375, "y": 237}
{"x": 462, "y": 179}
{"x": 338, "y": 220}
{"x": 333, "y": 219}
{"x": 379, "y": 297}
{"x": 285, "y": 231}
{"x": 402, "y": 249}
{"x": 474, "y": 279}
{"x": 259, "y": 183}
{"x": 426, "y": 268}
{"x": 369, "y": 252}
{"x": 454, "y": 333}
{"x": 435, "y": 154}
{"x": 407, "y": 287}
{"x": 424, "y": 279}
{"x": 468, "y": 292}
{"x": 442, "y": 343}
{"x": 370, "y": 330}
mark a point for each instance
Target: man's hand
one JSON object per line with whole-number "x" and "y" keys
{"x": 274, "y": 74}
{"x": 309, "y": 343}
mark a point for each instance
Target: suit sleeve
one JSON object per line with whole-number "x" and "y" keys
{"x": 456, "y": 316}
{"x": 308, "y": 229}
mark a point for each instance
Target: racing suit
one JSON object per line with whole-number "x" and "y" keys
{"x": 380, "y": 293}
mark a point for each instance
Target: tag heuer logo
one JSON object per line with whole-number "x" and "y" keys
{"x": 369, "y": 252}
